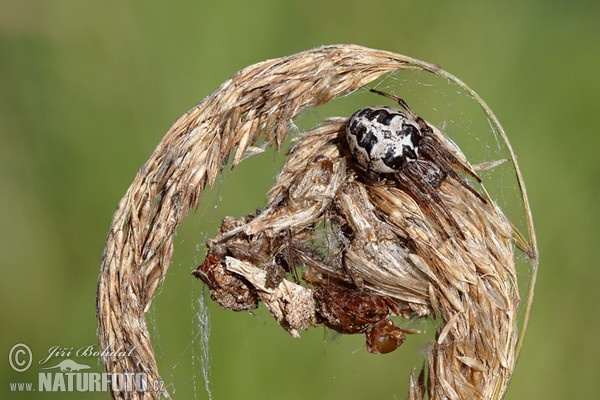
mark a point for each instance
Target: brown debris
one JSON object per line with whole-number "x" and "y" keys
{"x": 229, "y": 289}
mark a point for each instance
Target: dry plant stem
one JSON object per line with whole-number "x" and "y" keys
{"x": 264, "y": 99}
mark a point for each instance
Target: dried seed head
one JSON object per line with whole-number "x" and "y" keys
{"x": 387, "y": 246}
{"x": 394, "y": 258}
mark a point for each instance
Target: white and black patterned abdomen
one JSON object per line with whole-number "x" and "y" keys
{"x": 383, "y": 139}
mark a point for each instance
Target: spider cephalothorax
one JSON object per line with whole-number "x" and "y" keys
{"x": 387, "y": 142}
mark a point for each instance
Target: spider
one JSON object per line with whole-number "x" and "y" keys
{"x": 388, "y": 142}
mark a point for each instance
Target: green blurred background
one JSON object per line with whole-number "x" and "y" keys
{"x": 87, "y": 90}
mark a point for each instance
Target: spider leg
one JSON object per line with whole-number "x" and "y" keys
{"x": 433, "y": 143}
{"x": 426, "y": 196}
{"x": 445, "y": 160}
{"x": 398, "y": 100}
{"x": 437, "y": 200}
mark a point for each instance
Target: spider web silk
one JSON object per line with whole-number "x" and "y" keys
{"x": 203, "y": 318}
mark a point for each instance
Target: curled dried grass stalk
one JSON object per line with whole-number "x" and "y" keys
{"x": 471, "y": 286}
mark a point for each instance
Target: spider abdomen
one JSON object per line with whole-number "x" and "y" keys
{"x": 383, "y": 139}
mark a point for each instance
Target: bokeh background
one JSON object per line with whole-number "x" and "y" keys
{"x": 87, "y": 90}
